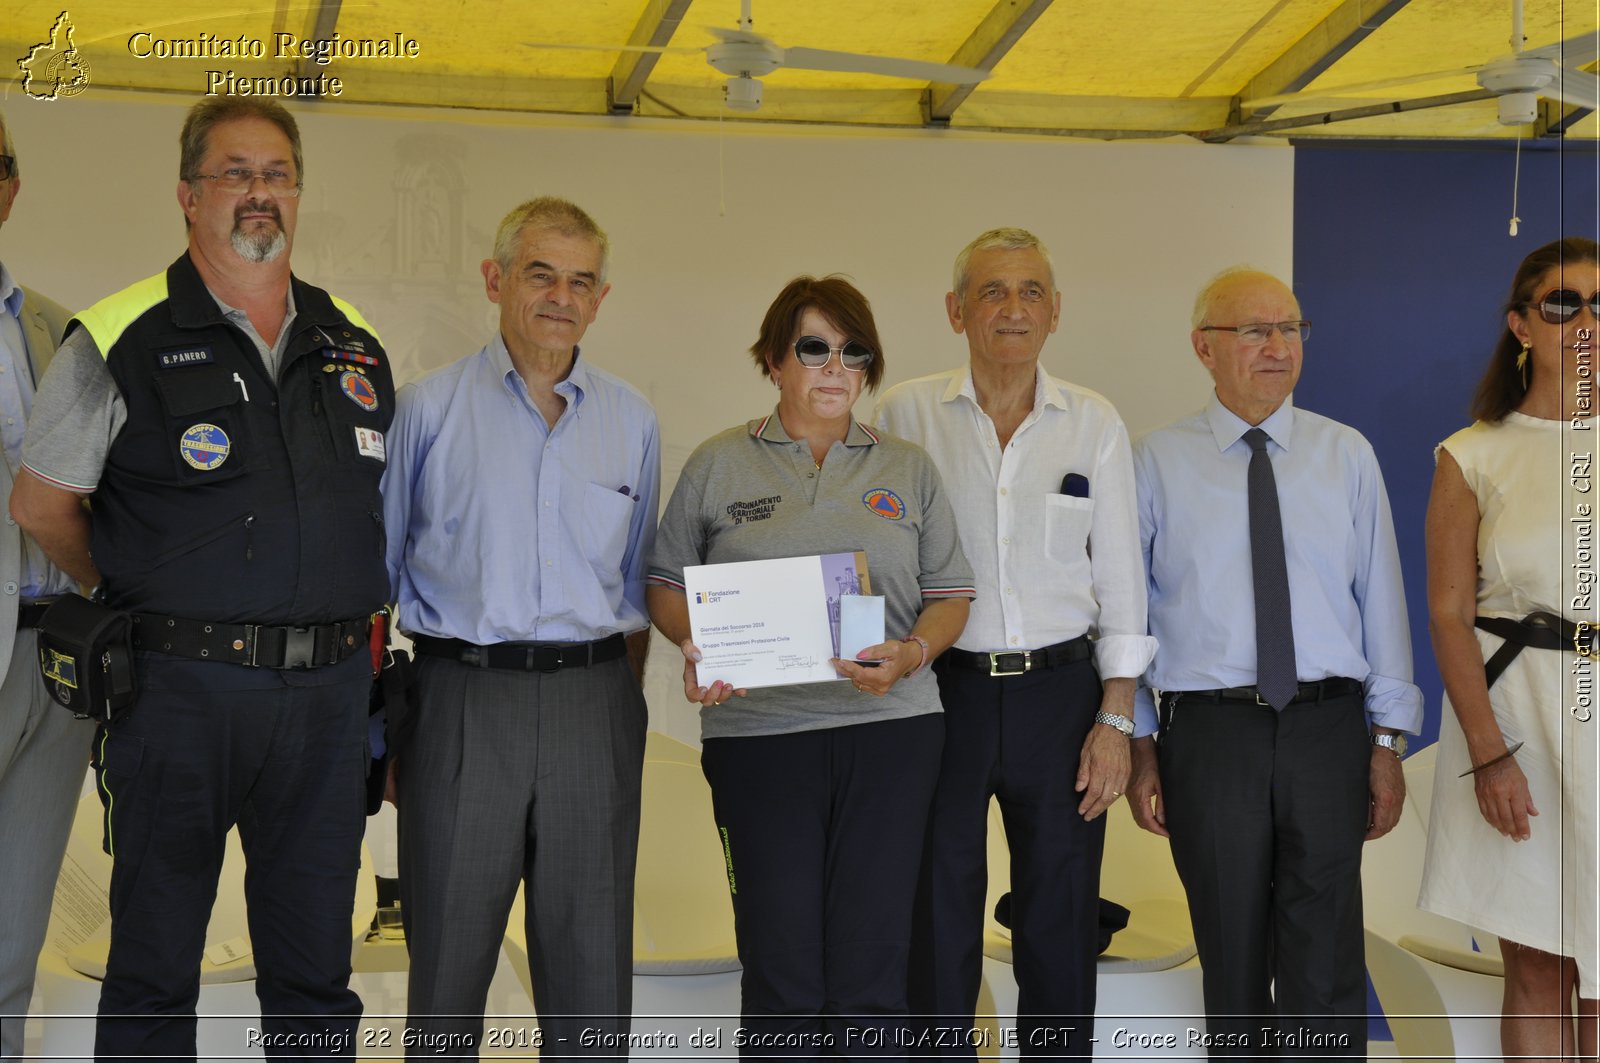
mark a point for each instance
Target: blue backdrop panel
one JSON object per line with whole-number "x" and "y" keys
{"x": 1402, "y": 261}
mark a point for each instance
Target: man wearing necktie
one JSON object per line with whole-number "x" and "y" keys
{"x": 1284, "y": 679}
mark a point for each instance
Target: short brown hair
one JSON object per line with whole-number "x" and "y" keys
{"x": 1501, "y": 389}
{"x": 209, "y": 113}
{"x": 836, "y": 299}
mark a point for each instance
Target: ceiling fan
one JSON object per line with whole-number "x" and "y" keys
{"x": 745, "y": 57}
{"x": 1517, "y": 80}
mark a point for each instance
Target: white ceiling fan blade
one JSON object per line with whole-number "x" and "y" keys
{"x": 856, "y": 63}
{"x": 1572, "y": 52}
{"x": 1337, "y": 91}
{"x": 723, "y": 33}
{"x": 653, "y": 49}
{"x": 1575, "y": 88}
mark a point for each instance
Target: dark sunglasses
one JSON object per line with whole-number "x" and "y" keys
{"x": 815, "y": 352}
{"x": 1560, "y": 305}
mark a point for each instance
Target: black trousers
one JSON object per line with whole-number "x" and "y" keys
{"x": 823, "y": 831}
{"x": 283, "y": 755}
{"x": 1017, "y": 738}
{"x": 1268, "y": 812}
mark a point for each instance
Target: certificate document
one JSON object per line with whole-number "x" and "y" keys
{"x": 771, "y": 623}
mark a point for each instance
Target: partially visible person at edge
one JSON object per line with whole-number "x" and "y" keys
{"x": 44, "y": 752}
{"x": 227, "y": 421}
{"x": 821, "y": 791}
{"x": 1512, "y": 829}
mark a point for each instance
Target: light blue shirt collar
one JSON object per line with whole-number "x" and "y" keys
{"x": 1227, "y": 427}
{"x": 10, "y": 292}
{"x": 572, "y": 387}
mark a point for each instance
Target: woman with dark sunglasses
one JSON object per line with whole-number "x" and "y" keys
{"x": 821, "y": 791}
{"x": 1511, "y": 596}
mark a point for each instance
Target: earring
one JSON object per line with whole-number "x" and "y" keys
{"x": 1522, "y": 364}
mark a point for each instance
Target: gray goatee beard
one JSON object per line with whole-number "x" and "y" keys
{"x": 260, "y": 246}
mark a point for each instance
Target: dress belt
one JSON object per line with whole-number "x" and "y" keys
{"x": 524, "y": 656}
{"x": 1018, "y": 662}
{"x": 1537, "y": 630}
{"x": 1321, "y": 690}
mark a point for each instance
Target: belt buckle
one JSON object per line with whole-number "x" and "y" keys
{"x": 1263, "y": 702}
{"x": 1585, "y": 647}
{"x": 543, "y": 658}
{"x": 299, "y": 647}
{"x": 995, "y": 665}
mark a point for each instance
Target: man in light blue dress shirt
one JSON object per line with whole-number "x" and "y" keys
{"x": 520, "y": 503}
{"x": 1267, "y": 808}
{"x": 44, "y": 752}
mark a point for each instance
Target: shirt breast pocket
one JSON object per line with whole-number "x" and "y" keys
{"x": 1067, "y": 520}
{"x": 206, "y": 424}
{"x": 607, "y": 513}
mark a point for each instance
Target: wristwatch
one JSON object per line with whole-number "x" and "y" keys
{"x": 1111, "y": 719}
{"x": 1396, "y": 744}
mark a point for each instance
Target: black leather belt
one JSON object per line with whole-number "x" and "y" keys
{"x": 252, "y": 645}
{"x": 1018, "y": 662}
{"x": 31, "y": 610}
{"x": 1321, "y": 690}
{"x": 1539, "y": 631}
{"x": 525, "y": 656}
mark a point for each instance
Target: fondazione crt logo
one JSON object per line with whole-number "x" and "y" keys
{"x": 54, "y": 69}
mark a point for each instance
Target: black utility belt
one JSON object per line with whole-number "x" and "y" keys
{"x": 524, "y": 656}
{"x": 252, "y": 645}
{"x": 1537, "y": 631}
{"x": 1019, "y": 662}
{"x": 30, "y": 611}
{"x": 1321, "y": 690}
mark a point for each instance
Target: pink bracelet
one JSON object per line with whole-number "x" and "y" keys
{"x": 920, "y": 641}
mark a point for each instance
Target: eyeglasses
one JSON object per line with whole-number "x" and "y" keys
{"x": 242, "y": 179}
{"x": 8, "y": 166}
{"x": 1561, "y": 305}
{"x": 1258, "y": 332}
{"x": 814, "y": 352}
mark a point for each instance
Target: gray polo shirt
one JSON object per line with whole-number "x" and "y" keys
{"x": 752, "y": 493}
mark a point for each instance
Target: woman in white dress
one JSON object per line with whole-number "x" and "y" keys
{"x": 1511, "y": 597}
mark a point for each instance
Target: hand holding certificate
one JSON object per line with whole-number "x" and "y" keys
{"x": 780, "y": 621}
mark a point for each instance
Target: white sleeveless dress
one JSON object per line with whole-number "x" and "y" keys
{"x": 1537, "y": 506}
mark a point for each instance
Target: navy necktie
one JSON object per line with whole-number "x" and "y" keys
{"x": 1275, "y": 668}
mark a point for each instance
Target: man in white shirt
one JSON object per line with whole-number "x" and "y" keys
{"x": 1038, "y": 691}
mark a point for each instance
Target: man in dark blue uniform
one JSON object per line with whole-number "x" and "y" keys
{"x": 228, "y": 421}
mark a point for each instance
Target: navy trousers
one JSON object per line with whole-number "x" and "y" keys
{"x": 823, "y": 831}
{"x": 1017, "y": 738}
{"x": 283, "y": 755}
